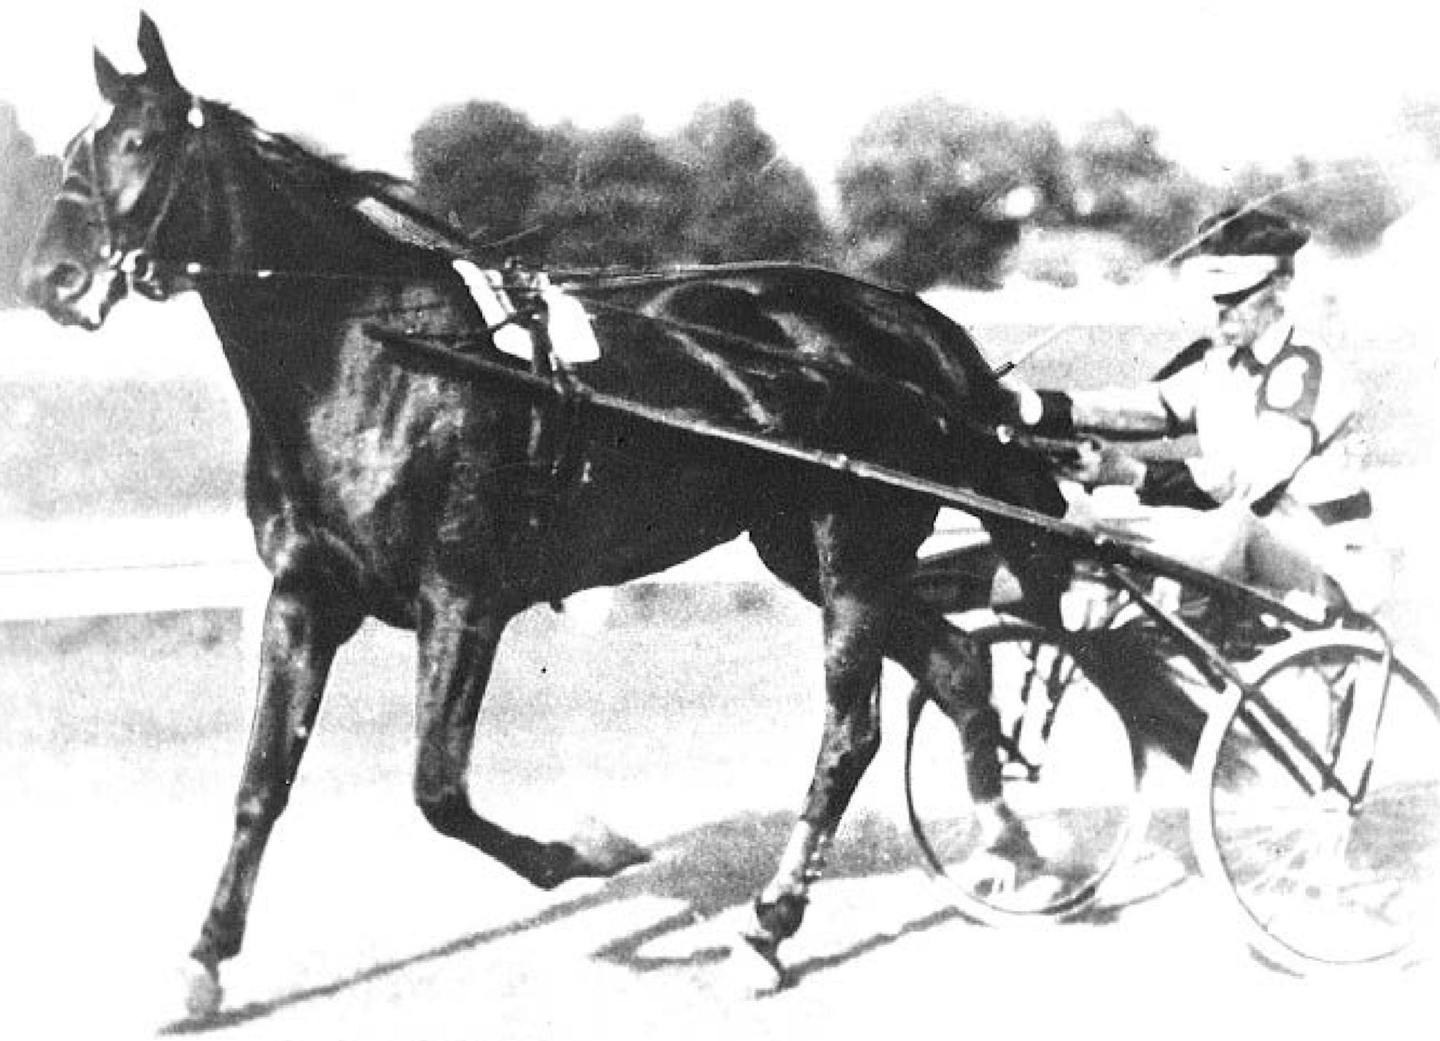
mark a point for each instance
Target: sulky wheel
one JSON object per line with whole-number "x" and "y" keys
{"x": 1316, "y": 877}
{"x": 1070, "y": 769}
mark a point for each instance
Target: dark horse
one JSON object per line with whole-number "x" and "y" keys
{"x": 386, "y": 490}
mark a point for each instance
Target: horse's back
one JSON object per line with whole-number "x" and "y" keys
{"x": 726, "y": 340}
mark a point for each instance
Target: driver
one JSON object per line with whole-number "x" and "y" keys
{"x": 1273, "y": 497}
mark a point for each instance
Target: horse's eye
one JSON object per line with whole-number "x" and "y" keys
{"x": 135, "y": 143}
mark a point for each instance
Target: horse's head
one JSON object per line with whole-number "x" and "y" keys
{"x": 68, "y": 270}
{"x": 121, "y": 179}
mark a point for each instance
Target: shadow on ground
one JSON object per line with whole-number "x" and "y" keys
{"x": 711, "y": 870}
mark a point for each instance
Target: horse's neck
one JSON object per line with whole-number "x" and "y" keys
{"x": 292, "y": 273}
{"x": 297, "y": 280}
{"x": 281, "y": 305}
{"x": 284, "y": 345}
{"x": 272, "y": 231}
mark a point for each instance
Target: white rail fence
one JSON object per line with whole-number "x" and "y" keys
{"x": 78, "y": 569}
{"x": 97, "y": 568}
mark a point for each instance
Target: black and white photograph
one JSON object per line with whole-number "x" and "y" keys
{"x": 762, "y": 521}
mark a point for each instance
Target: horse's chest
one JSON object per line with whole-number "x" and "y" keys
{"x": 367, "y": 469}
{"x": 378, "y": 469}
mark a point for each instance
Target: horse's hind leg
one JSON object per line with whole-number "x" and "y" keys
{"x": 856, "y": 584}
{"x": 954, "y": 672}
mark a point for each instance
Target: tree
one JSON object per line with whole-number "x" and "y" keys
{"x": 614, "y": 197}
{"x": 1123, "y": 184}
{"x": 933, "y": 191}
{"x": 750, "y": 203}
{"x": 27, "y": 181}
{"x": 1348, "y": 203}
{"x": 563, "y": 195}
{"x": 478, "y": 164}
{"x": 1421, "y": 116}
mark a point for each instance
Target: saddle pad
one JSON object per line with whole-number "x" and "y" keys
{"x": 571, "y": 336}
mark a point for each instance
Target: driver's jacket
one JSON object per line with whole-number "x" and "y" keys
{"x": 1282, "y": 431}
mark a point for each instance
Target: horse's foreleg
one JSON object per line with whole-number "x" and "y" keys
{"x": 457, "y": 650}
{"x": 303, "y": 628}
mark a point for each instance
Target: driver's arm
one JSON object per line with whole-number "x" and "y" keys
{"x": 1123, "y": 413}
{"x": 1160, "y": 408}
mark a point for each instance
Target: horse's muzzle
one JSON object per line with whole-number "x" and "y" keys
{"x": 72, "y": 295}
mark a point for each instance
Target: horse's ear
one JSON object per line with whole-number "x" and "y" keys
{"x": 108, "y": 79}
{"x": 152, "y": 50}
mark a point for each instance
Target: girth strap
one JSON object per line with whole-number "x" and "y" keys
{"x": 516, "y": 303}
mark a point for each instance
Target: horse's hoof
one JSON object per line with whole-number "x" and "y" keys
{"x": 203, "y": 993}
{"x": 597, "y": 852}
{"x": 754, "y": 967}
{"x": 780, "y": 918}
{"x": 600, "y": 852}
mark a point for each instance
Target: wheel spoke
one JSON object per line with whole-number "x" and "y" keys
{"x": 1070, "y": 773}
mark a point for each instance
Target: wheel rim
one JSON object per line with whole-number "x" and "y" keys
{"x": 1316, "y": 884}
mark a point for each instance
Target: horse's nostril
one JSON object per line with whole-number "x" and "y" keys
{"x": 67, "y": 280}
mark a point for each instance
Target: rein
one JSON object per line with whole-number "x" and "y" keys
{"x": 140, "y": 260}
{"x": 150, "y": 275}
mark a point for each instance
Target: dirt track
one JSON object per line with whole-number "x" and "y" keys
{"x": 366, "y": 925}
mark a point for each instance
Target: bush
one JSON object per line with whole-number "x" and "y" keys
{"x": 27, "y": 181}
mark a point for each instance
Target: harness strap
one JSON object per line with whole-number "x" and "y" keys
{"x": 516, "y": 311}
{"x": 488, "y": 291}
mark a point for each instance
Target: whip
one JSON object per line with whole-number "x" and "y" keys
{"x": 1051, "y": 335}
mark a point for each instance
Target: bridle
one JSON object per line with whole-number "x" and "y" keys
{"x": 135, "y": 265}
{"x": 133, "y": 259}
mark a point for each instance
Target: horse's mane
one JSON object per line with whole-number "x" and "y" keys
{"x": 380, "y": 203}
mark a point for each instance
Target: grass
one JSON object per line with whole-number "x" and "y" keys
{"x": 134, "y": 681}
{"x": 185, "y": 677}
{"x": 71, "y": 448}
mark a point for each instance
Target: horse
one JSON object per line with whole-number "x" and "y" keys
{"x": 384, "y": 489}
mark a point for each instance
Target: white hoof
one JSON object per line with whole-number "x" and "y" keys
{"x": 203, "y": 993}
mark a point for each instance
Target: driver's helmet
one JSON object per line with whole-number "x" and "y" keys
{"x": 1241, "y": 250}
